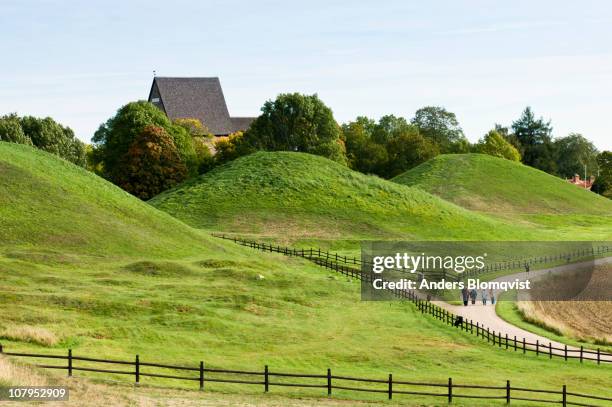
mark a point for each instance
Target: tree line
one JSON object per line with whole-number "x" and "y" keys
{"x": 144, "y": 152}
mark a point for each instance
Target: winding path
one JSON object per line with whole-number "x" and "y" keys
{"x": 487, "y": 317}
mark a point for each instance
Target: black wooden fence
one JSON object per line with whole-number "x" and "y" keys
{"x": 498, "y": 339}
{"x": 266, "y": 378}
{"x": 515, "y": 264}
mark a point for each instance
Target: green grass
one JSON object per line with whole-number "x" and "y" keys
{"x": 490, "y": 184}
{"x": 49, "y": 207}
{"x": 511, "y": 190}
{"x": 297, "y": 318}
{"x": 91, "y": 268}
{"x": 309, "y": 198}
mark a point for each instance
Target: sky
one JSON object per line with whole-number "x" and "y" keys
{"x": 79, "y": 61}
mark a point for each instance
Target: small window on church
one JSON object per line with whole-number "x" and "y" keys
{"x": 155, "y": 100}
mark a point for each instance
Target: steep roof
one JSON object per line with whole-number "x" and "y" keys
{"x": 241, "y": 123}
{"x": 198, "y": 98}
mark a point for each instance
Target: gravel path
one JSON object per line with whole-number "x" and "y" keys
{"x": 486, "y": 316}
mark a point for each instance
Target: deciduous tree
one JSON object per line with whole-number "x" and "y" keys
{"x": 496, "y": 145}
{"x": 152, "y": 164}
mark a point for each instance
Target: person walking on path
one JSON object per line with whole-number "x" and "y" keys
{"x": 473, "y": 295}
{"x": 492, "y": 295}
{"x": 465, "y": 295}
{"x": 484, "y": 294}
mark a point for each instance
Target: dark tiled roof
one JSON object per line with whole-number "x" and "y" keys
{"x": 198, "y": 98}
{"x": 241, "y": 123}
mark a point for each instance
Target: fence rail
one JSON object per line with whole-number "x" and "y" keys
{"x": 498, "y": 339}
{"x": 388, "y": 386}
{"x": 515, "y": 264}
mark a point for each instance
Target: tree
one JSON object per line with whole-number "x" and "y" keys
{"x": 152, "y": 164}
{"x": 389, "y": 126}
{"x": 231, "y": 147}
{"x": 535, "y": 140}
{"x": 603, "y": 182}
{"x": 194, "y": 127}
{"x": 386, "y": 148}
{"x": 441, "y": 127}
{"x": 408, "y": 149}
{"x": 572, "y": 153}
{"x": 50, "y": 136}
{"x": 296, "y": 122}
{"x": 363, "y": 153}
{"x": 11, "y": 130}
{"x": 114, "y": 138}
{"x": 496, "y": 145}
{"x": 45, "y": 134}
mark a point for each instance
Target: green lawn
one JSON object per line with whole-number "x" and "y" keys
{"x": 489, "y": 184}
{"x": 88, "y": 267}
{"x": 296, "y": 196}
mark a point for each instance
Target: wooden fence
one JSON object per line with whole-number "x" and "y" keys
{"x": 498, "y": 339}
{"x": 266, "y": 378}
{"x": 515, "y": 264}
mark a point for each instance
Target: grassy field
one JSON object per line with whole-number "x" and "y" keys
{"x": 490, "y": 184}
{"x": 88, "y": 267}
{"x": 302, "y": 199}
{"x": 511, "y": 190}
{"x": 50, "y": 208}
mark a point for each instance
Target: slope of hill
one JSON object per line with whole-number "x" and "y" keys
{"x": 49, "y": 204}
{"x": 489, "y": 184}
{"x": 227, "y": 305}
{"x": 293, "y": 194}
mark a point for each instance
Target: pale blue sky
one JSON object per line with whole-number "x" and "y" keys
{"x": 79, "y": 61}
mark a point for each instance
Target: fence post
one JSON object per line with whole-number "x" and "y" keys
{"x": 329, "y": 386}
{"x": 598, "y": 356}
{"x": 202, "y": 375}
{"x": 266, "y": 379}
{"x": 581, "y": 350}
{"x": 487, "y": 334}
{"x": 507, "y": 391}
{"x": 506, "y": 340}
{"x": 450, "y": 390}
{"x": 550, "y": 350}
{"x": 564, "y": 401}
{"x": 69, "y": 362}
{"x": 565, "y": 351}
{"x": 0, "y": 348}
{"x": 537, "y": 347}
{"x": 524, "y": 350}
{"x": 493, "y": 338}
{"x": 137, "y": 371}
{"x": 515, "y": 343}
{"x": 499, "y": 338}
{"x": 390, "y": 386}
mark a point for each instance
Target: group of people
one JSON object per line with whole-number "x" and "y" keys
{"x": 472, "y": 294}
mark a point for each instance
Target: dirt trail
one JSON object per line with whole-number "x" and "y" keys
{"x": 486, "y": 316}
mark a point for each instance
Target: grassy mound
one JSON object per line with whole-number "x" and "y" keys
{"x": 489, "y": 184}
{"x": 285, "y": 194}
{"x": 49, "y": 208}
{"x": 88, "y": 267}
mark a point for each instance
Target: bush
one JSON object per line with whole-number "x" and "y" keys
{"x": 496, "y": 145}
{"x": 45, "y": 134}
{"x": 11, "y": 130}
{"x": 151, "y": 165}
